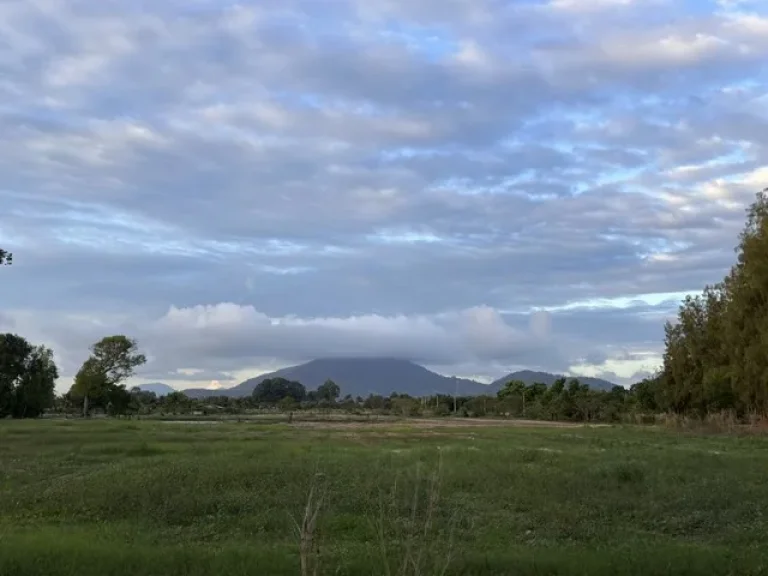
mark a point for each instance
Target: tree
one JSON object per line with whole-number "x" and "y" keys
{"x": 90, "y": 386}
{"x": 715, "y": 355}
{"x": 117, "y": 357}
{"x": 6, "y": 258}
{"x": 329, "y": 391}
{"x": 514, "y": 395}
{"x": 35, "y": 390}
{"x": 14, "y": 351}
{"x": 287, "y": 404}
{"x": 176, "y": 403}
{"x": 142, "y": 401}
{"x": 27, "y": 377}
{"x": 113, "y": 359}
{"x": 273, "y": 390}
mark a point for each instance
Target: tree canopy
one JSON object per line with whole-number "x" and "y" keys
{"x": 98, "y": 382}
{"x": 6, "y": 258}
{"x": 27, "y": 377}
{"x": 273, "y": 390}
{"x": 328, "y": 391}
{"x": 716, "y": 354}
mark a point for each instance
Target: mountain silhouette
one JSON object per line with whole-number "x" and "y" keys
{"x": 529, "y": 377}
{"x": 158, "y": 388}
{"x": 383, "y": 376}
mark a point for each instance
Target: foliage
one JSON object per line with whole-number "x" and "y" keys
{"x": 98, "y": 382}
{"x": 574, "y": 402}
{"x": 27, "y": 377}
{"x": 716, "y": 354}
{"x": 116, "y": 357}
{"x": 273, "y": 390}
{"x": 6, "y": 258}
{"x": 328, "y": 391}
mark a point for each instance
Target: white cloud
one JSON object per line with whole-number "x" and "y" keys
{"x": 226, "y": 342}
{"x": 373, "y": 176}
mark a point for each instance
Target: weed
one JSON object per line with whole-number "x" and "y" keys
{"x": 309, "y": 548}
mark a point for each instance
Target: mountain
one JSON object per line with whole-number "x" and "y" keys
{"x": 361, "y": 377}
{"x": 158, "y": 388}
{"x": 529, "y": 377}
{"x": 365, "y": 376}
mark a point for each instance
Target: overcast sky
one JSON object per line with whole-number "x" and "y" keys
{"x": 476, "y": 185}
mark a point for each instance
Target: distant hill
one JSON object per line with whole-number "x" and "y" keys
{"x": 365, "y": 376}
{"x": 360, "y": 377}
{"x": 158, "y": 388}
{"x": 530, "y": 377}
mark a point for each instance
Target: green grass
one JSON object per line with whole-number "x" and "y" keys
{"x": 145, "y": 498}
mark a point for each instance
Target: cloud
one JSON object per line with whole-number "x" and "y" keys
{"x": 202, "y": 344}
{"x": 443, "y": 179}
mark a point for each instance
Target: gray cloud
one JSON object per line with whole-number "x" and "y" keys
{"x": 204, "y": 343}
{"x": 381, "y": 164}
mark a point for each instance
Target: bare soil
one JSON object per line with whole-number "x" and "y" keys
{"x": 429, "y": 423}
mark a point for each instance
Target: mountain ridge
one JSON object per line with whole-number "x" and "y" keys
{"x": 383, "y": 376}
{"x": 158, "y": 388}
{"x": 529, "y": 377}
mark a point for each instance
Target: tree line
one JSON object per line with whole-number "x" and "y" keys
{"x": 28, "y": 374}
{"x": 563, "y": 401}
{"x": 716, "y": 353}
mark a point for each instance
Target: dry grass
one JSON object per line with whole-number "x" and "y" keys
{"x": 431, "y": 423}
{"x": 413, "y": 546}
{"x": 309, "y": 547}
{"x": 724, "y": 422}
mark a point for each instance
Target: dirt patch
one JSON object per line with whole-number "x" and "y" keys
{"x": 427, "y": 424}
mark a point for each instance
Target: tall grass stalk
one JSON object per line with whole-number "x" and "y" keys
{"x": 309, "y": 548}
{"x": 416, "y": 551}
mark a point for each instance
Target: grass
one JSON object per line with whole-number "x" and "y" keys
{"x": 157, "y": 498}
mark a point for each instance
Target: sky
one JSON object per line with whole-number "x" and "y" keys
{"x": 475, "y": 185}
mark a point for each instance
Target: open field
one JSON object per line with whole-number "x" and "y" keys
{"x": 146, "y": 498}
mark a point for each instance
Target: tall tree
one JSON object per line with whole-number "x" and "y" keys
{"x": 14, "y": 351}
{"x": 273, "y": 390}
{"x": 328, "y": 391}
{"x": 716, "y": 354}
{"x": 113, "y": 360}
{"x": 117, "y": 357}
{"x": 35, "y": 390}
{"x": 27, "y": 377}
{"x": 90, "y": 386}
{"x": 6, "y": 258}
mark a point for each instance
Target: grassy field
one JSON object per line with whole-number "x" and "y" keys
{"x": 158, "y": 498}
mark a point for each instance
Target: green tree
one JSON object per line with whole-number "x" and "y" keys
{"x": 113, "y": 360}
{"x": 27, "y": 377}
{"x": 513, "y": 394}
{"x": 90, "y": 386}
{"x": 14, "y": 350}
{"x": 329, "y": 391}
{"x": 287, "y": 404}
{"x": 6, "y": 258}
{"x": 406, "y": 405}
{"x": 746, "y": 321}
{"x": 142, "y": 401}
{"x": 273, "y": 390}
{"x": 176, "y": 403}
{"x": 715, "y": 355}
{"x": 35, "y": 390}
{"x": 117, "y": 357}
